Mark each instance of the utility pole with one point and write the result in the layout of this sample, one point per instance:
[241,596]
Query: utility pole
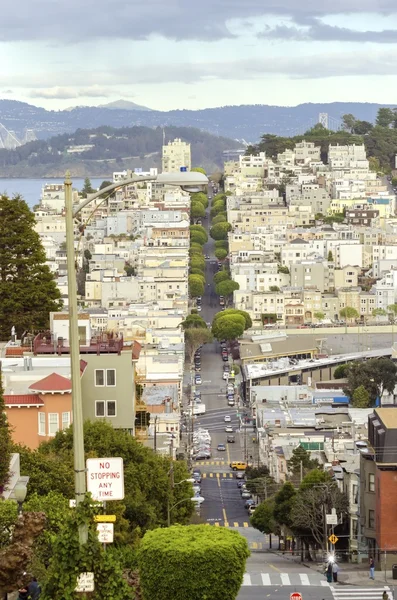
[155,434]
[245,444]
[301,471]
[171,482]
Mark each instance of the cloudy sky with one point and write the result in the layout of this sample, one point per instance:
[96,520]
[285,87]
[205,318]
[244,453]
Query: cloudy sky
[169,54]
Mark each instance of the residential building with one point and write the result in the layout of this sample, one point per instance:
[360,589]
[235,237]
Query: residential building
[176,154]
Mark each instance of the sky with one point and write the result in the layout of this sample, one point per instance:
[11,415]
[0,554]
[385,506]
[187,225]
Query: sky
[173,54]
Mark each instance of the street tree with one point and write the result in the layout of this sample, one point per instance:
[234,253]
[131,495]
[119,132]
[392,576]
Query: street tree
[361,398]
[283,503]
[196,286]
[172,561]
[200,197]
[319,315]
[199,229]
[341,371]
[221,276]
[221,244]
[197,210]
[196,271]
[197,238]
[217,208]
[230,312]
[193,322]
[87,188]
[28,291]
[263,519]
[220,253]
[229,327]
[376,375]
[194,338]
[392,313]
[379,312]
[197,262]
[221,218]
[226,288]
[220,231]
[348,313]
[5,443]
[301,463]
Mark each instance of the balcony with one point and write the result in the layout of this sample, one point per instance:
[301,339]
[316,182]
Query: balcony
[103,343]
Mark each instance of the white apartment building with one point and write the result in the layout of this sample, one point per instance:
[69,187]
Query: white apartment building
[386,290]
[307,152]
[176,154]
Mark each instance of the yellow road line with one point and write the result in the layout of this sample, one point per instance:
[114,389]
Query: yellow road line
[216,524]
[218,479]
[275,568]
[211,474]
[228,454]
[235,524]
[231,475]
[245,525]
[225,517]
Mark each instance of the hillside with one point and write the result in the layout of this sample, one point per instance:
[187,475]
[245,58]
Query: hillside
[109,150]
[237,122]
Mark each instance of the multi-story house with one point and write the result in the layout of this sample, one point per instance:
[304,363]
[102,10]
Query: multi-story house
[313,273]
[176,154]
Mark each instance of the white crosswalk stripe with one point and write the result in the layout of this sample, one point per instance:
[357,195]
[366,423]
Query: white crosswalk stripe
[355,593]
[279,579]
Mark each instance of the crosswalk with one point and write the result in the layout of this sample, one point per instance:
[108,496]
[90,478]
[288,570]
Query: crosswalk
[221,475]
[356,593]
[280,579]
[230,524]
[218,463]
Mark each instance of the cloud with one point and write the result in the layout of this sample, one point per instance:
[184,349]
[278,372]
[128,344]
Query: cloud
[68,93]
[77,21]
[317,30]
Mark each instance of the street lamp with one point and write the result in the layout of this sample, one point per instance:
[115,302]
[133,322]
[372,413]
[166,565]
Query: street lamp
[20,491]
[197,499]
[190,181]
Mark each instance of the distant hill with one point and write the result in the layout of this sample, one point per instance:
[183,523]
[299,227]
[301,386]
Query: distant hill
[108,149]
[124,105]
[247,122]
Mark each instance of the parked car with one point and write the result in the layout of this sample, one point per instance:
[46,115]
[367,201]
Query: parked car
[197,379]
[240,475]
[202,455]
[198,307]
[230,439]
[227,418]
[229,429]
[251,509]
[245,495]
[240,483]
[248,502]
[221,447]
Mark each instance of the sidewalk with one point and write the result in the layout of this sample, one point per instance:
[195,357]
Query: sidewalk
[349,573]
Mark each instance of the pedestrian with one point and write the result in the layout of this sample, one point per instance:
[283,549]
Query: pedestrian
[371,568]
[335,570]
[34,589]
[328,572]
[23,593]
[385,596]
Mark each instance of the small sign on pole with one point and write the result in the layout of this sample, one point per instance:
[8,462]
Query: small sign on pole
[85,582]
[333,539]
[105,533]
[105,518]
[105,478]
[332,519]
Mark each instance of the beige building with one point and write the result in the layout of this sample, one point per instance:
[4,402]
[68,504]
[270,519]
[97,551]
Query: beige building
[176,154]
[318,274]
[347,276]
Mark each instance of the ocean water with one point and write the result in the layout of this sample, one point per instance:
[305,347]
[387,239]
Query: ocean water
[30,189]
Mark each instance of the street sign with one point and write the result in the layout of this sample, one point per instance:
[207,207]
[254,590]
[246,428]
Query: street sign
[332,519]
[105,478]
[85,583]
[333,539]
[105,533]
[105,518]
[295,596]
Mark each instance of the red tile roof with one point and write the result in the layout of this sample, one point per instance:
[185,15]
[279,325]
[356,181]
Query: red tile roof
[52,383]
[22,399]
[15,350]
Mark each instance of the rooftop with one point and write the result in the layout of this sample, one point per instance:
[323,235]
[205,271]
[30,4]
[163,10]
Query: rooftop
[388,416]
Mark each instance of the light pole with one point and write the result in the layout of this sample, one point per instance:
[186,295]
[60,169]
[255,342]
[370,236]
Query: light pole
[170,508]
[20,491]
[188,181]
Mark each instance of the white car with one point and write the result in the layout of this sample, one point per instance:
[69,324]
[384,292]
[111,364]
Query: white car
[229,429]
[197,379]
[198,307]
[227,418]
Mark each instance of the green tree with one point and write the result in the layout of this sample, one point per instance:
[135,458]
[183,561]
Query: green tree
[200,197]
[385,117]
[341,371]
[222,244]
[330,257]
[274,288]
[283,503]
[263,518]
[301,463]
[220,253]
[87,188]
[228,328]
[348,313]
[28,291]
[379,312]
[221,276]
[231,312]
[319,315]
[199,229]
[193,322]
[220,231]
[283,269]
[197,262]
[196,286]
[376,375]
[103,185]
[361,398]
[196,271]
[194,338]
[5,443]
[197,238]
[197,210]
[198,170]
[348,122]
[221,218]
[217,208]
[172,561]
[129,270]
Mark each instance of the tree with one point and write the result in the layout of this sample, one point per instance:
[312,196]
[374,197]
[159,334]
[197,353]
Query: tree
[385,117]
[283,502]
[230,327]
[87,188]
[222,244]
[200,197]
[197,262]
[5,443]
[220,253]
[341,371]
[199,229]
[221,218]
[194,338]
[263,518]
[361,398]
[376,375]
[198,170]
[220,231]
[172,561]
[348,313]
[379,312]
[103,185]
[300,463]
[230,312]
[129,270]
[330,257]
[193,322]
[217,208]
[196,286]
[274,288]
[196,271]
[319,315]
[197,238]
[221,276]
[362,127]
[282,269]
[197,210]
[28,291]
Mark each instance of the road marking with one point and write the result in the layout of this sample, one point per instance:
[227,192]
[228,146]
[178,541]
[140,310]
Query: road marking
[211,474]
[265,579]
[325,583]
[247,579]
[235,524]
[216,524]
[275,568]
[285,580]
[304,579]
[225,517]
[219,482]
[245,525]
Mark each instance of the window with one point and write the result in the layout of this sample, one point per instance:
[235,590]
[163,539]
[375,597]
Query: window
[41,423]
[354,493]
[65,420]
[105,375]
[371,519]
[105,408]
[371,482]
[53,423]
